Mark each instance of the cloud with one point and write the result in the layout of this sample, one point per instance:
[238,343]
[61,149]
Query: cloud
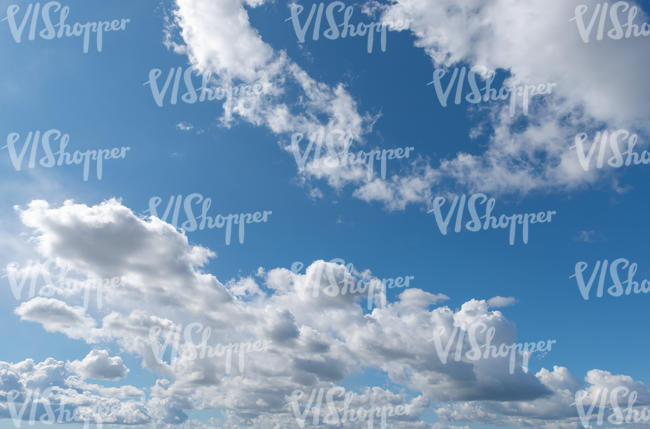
[213,50]
[523,154]
[439,425]
[600,380]
[556,411]
[308,116]
[499,35]
[283,327]
[500,301]
[316,326]
[108,240]
[184,126]
[98,364]
[400,191]
[47,392]
[57,316]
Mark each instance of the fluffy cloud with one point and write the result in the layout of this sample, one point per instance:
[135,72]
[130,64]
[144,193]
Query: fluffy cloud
[57,316]
[213,50]
[321,118]
[499,35]
[313,326]
[108,241]
[555,411]
[98,364]
[49,393]
[523,154]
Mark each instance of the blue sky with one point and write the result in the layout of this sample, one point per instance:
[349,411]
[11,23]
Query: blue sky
[243,165]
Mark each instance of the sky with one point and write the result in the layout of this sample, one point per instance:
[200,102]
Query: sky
[110,279]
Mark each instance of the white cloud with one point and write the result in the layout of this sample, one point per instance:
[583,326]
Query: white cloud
[57,316]
[522,155]
[496,35]
[500,301]
[100,365]
[108,240]
[184,126]
[214,50]
[204,30]
[503,34]
[316,337]
[555,411]
[47,392]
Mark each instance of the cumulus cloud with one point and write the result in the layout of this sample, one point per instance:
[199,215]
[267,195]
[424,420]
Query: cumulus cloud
[47,392]
[499,36]
[524,154]
[100,365]
[555,411]
[57,316]
[321,119]
[108,240]
[315,327]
